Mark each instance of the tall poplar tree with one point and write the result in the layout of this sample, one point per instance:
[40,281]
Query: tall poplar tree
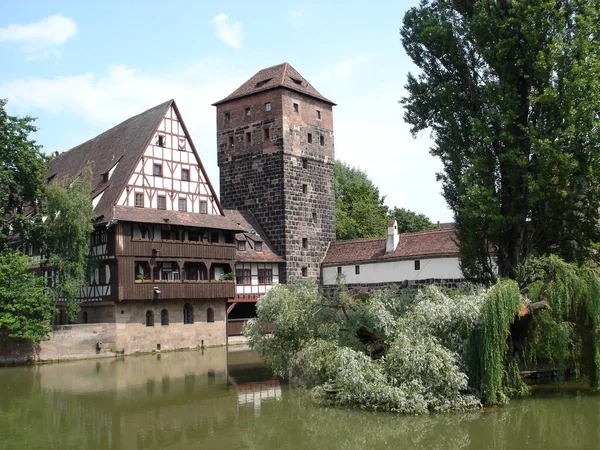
[510,91]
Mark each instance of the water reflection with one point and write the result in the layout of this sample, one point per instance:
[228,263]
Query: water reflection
[216,399]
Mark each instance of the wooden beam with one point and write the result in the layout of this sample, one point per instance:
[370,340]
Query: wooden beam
[231,307]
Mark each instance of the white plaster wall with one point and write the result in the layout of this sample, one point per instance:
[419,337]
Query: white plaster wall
[254,287]
[395,271]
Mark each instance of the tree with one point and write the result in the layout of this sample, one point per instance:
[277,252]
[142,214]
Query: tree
[25,303]
[359,210]
[510,92]
[22,169]
[410,222]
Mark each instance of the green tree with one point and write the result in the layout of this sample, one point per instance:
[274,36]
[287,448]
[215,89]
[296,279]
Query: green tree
[410,222]
[22,169]
[359,210]
[510,92]
[25,303]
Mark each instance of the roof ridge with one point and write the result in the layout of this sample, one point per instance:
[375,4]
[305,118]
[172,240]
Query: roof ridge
[285,68]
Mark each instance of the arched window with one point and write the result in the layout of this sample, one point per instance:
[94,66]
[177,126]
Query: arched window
[149,319]
[164,317]
[210,315]
[84,317]
[188,314]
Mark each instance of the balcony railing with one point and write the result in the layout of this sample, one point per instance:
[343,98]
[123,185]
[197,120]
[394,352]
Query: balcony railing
[176,289]
[176,249]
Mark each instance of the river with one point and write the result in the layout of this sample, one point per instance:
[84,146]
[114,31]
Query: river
[219,399]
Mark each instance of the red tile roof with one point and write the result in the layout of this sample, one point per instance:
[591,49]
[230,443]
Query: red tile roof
[282,75]
[430,244]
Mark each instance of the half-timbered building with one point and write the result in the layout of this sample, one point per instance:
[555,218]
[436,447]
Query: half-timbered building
[162,244]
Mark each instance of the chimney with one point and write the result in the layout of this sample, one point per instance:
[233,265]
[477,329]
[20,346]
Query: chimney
[392,237]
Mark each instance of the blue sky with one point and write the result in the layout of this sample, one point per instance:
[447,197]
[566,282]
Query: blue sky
[82,67]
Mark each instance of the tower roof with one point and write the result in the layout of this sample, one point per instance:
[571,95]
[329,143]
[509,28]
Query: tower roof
[282,75]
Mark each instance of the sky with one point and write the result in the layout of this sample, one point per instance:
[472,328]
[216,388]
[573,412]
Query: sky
[82,67]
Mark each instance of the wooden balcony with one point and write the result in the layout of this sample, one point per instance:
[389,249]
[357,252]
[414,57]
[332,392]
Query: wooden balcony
[144,290]
[146,248]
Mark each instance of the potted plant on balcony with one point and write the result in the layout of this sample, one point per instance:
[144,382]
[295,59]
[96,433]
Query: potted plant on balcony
[139,277]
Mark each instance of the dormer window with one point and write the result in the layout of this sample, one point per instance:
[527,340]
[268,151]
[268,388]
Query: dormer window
[296,80]
[263,82]
[105,177]
[241,245]
[160,140]
[258,246]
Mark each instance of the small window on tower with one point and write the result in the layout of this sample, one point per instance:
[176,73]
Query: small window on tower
[157,170]
[304,163]
[267,107]
[248,112]
[231,141]
[248,138]
[310,138]
[318,115]
[139,200]
[304,271]
[227,116]
[160,140]
[322,140]
[267,132]
[185,174]
[305,243]
[304,188]
[161,202]
[296,107]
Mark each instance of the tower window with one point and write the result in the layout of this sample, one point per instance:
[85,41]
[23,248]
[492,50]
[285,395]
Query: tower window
[248,138]
[305,243]
[296,107]
[304,189]
[227,116]
[322,140]
[157,170]
[417,265]
[247,112]
[314,217]
[161,202]
[309,138]
[231,141]
[318,115]
[357,270]
[267,132]
[267,106]
[139,200]
[160,140]
[304,163]
[304,271]
[185,174]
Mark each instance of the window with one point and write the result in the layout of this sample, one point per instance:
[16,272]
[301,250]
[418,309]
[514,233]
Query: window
[263,82]
[227,116]
[139,200]
[304,271]
[247,112]
[258,246]
[231,141]
[267,133]
[214,236]
[318,115]
[304,188]
[168,271]
[417,265]
[185,174]
[357,270]
[339,270]
[248,138]
[210,315]
[84,317]
[241,245]
[322,140]
[157,171]
[164,318]
[296,80]
[242,276]
[265,276]
[188,314]
[149,318]
[182,204]
[203,207]
[310,138]
[314,217]
[161,202]
[267,106]
[105,177]
[101,274]
[304,243]
[142,270]
[160,140]
[304,163]
[296,107]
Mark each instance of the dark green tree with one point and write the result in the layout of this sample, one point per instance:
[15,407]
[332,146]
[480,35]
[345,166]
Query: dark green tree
[410,222]
[510,92]
[359,210]
[22,169]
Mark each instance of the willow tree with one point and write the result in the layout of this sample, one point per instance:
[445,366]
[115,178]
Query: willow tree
[510,92]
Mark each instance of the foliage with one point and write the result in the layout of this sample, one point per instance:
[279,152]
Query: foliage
[22,169]
[510,92]
[410,222]
[25,305]
[359,210]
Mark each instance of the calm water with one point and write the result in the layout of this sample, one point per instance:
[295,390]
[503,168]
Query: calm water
[215,399]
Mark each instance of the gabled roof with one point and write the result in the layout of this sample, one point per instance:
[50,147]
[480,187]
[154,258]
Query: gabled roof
[252,233]
[426,244]
[123,144]
[282,75]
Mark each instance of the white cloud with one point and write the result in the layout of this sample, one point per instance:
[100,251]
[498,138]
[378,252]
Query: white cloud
[41,38]
[296,17]
[344,70]
[230,32]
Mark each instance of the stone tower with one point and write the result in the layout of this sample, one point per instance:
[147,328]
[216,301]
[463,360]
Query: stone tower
[276,157]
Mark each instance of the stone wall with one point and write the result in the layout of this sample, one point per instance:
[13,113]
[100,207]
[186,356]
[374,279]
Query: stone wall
[365,288]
